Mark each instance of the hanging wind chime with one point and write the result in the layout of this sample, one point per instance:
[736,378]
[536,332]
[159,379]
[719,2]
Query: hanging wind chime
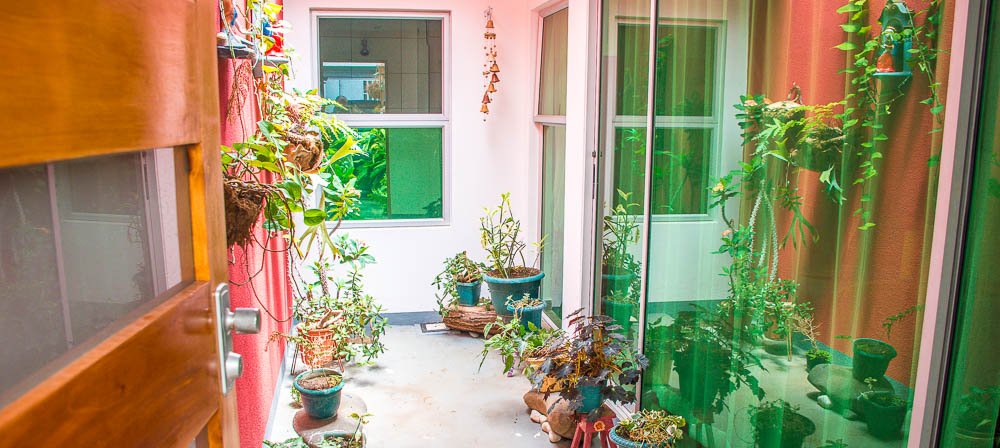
[490,67]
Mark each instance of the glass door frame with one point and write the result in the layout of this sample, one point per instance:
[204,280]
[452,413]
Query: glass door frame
[968,57]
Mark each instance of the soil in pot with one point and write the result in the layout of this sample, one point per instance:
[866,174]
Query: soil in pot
[319,390]
[871,358]
[243,203]
[884,413]
[522,281]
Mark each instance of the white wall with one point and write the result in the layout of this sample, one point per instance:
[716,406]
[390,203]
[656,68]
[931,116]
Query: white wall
[486,158]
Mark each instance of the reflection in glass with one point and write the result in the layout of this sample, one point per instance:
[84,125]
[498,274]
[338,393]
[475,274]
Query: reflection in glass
[380,65]
[82,244]
[553,206]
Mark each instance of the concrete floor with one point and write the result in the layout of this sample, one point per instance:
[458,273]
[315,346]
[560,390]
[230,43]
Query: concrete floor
[427,391]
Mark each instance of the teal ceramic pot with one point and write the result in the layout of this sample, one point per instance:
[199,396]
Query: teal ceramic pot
[621,314]
[468,293]
[531,314]
[622,442]
[591,399]
[319,404]
[503,288]
[871,358]
[885,420]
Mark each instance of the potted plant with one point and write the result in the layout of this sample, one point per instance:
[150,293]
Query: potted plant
[777,424]
[461,281]
[709,363]
[885,412]
[592,363]
[872,356]
[509,274]
[352,440]
[977,417]
[527,310]
[808,328]
[648,429]
[660,352]
[620,281]
[319,390]
[515,342]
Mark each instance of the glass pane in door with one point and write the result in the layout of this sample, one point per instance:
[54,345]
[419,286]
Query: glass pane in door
[973,392]
[83,243]
[621,160]
[553,205]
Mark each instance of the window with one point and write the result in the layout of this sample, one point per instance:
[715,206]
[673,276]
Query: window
[385,76]
[551,122]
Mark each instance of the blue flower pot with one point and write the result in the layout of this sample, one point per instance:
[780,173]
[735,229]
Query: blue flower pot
[502,288]
[468,293]
[319,404]
[531,314]
[591,398]
[622,442]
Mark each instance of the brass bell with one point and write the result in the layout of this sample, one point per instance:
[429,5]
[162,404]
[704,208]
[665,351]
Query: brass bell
[494,68]
[491,88]
[484,109]
[494,79]
[486,98]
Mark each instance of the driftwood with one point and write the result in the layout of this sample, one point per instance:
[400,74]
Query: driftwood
[470,318]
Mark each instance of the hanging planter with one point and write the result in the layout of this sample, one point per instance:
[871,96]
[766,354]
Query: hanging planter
[305,151]
[244,201]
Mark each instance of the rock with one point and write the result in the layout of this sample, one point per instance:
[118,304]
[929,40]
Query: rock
[839,386]
[825,402]
[562,420]
[537,417]
[546,427]
[473,334]
[535,401]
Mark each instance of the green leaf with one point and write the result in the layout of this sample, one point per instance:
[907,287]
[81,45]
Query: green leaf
[313,217]
[850,7]
[846,46]
[850,27]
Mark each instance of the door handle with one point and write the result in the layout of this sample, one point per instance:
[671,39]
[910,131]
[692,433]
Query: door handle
[238,321]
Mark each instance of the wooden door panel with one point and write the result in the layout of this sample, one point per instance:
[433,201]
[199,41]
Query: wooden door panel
[136,388]
[86,77]
[93,77]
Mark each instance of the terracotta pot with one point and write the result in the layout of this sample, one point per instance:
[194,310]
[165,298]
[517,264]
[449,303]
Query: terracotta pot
[321,348]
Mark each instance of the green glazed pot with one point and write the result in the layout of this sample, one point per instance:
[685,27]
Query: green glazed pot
[531,314]
[319,404]
[468,293]
[503,288]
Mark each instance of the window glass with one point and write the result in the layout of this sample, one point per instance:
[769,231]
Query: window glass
[552,79]
[400,173]
[553,207]
[380,66]
[681,169]
[83,243]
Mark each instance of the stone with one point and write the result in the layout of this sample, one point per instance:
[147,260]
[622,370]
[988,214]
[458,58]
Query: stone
[313,431]
[825,402]
[537,417]
[841,389]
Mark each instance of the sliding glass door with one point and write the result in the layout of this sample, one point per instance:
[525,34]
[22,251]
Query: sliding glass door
[973,390]
[765,211]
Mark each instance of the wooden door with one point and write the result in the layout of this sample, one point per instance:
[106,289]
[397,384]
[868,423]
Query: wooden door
[113,232]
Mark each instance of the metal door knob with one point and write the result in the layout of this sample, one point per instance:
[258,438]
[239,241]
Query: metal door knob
[234,366]
[243,320]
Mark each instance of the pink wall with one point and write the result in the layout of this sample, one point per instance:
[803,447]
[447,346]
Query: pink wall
[268,288]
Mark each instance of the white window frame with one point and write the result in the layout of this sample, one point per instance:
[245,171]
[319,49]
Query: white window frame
[410,121]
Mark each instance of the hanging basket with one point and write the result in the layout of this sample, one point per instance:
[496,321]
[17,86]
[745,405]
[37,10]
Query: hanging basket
[305,151]
[244,201]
